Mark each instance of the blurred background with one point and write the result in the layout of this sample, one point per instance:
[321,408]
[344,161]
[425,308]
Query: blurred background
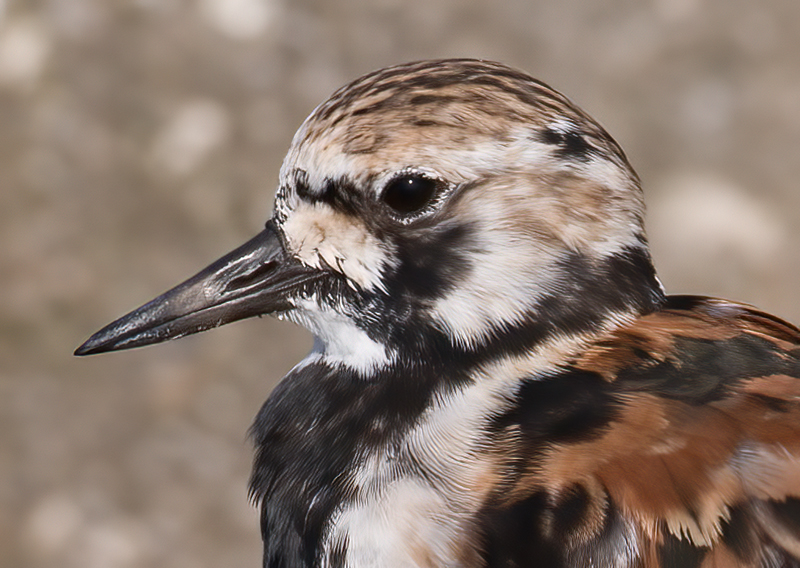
[141,139]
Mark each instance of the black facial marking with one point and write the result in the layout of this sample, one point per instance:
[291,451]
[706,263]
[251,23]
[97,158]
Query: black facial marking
[300,459]
[432,264]
[340,194]
[330,190]
[571,144]
[301,186]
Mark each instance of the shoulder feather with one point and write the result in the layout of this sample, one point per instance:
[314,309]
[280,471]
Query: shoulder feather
[690,439]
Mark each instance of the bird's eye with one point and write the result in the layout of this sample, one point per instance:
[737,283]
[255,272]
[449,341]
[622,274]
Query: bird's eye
[409,193]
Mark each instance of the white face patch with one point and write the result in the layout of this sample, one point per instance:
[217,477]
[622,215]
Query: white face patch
[339,340]
[522,231]
[498,292]
[317,235]
[508,275]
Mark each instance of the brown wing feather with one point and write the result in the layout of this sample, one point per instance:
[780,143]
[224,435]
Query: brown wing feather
[700,455]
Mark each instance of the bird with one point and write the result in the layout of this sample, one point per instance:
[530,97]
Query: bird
[498,377]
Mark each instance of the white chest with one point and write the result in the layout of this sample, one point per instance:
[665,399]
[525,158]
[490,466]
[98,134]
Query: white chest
[408,524]
[415,505]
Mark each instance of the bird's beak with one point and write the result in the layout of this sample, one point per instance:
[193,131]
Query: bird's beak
[257,278]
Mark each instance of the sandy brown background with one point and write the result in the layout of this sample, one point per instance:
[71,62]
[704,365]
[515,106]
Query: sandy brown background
[140,139]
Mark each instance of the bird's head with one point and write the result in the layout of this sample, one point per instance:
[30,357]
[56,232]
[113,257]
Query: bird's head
[452,203]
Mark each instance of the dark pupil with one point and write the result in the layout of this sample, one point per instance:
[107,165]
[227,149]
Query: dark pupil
[407,194]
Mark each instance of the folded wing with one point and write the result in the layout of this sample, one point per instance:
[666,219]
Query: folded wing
[675,441]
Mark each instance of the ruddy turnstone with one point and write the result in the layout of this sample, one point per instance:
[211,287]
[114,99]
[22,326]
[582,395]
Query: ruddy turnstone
[498,377]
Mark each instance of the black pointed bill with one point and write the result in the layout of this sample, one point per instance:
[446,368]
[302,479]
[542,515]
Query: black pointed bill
[255,279]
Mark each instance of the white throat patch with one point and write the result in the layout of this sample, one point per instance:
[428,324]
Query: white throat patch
[338,340]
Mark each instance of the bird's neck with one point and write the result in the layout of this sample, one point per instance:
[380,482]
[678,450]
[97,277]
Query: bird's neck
[334,434]
[586,296]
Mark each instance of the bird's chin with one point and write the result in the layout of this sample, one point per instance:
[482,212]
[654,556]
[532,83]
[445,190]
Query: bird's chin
[339,339]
